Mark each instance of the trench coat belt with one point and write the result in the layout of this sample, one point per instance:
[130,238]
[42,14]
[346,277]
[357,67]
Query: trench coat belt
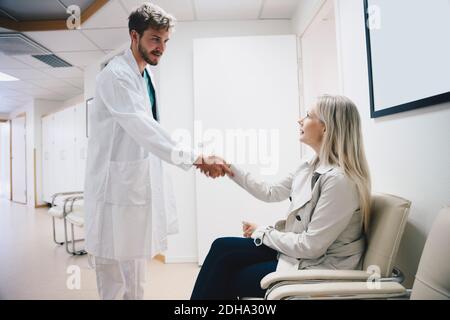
[348,249]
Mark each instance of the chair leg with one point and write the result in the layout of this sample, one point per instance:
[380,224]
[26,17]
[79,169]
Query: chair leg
[54,233]
[74,251]
[66,237]
[73,237]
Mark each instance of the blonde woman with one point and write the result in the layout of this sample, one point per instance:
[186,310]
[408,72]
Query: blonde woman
[326,220]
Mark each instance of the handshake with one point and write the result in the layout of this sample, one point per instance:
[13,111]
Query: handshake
[213,166]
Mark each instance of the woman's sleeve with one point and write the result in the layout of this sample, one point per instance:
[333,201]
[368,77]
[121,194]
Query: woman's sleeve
[268,192]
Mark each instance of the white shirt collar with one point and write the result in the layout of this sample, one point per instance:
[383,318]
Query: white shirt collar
[129,57]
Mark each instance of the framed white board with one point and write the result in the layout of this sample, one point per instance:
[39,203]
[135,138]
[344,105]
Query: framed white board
[408,51]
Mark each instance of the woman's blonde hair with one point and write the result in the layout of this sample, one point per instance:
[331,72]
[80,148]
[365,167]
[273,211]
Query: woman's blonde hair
[342,145]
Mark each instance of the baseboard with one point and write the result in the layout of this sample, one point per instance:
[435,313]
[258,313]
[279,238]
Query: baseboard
[41,206]
[160,257]
[181,260]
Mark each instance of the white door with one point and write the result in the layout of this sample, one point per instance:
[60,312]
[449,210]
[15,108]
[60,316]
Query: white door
[80,146]
[19,163]
[47,157]
[52,156]
[246,108]
[69,141]
[58,153]
[5,160]
[65,149]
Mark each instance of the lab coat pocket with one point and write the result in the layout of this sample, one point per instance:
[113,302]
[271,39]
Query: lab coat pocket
[128,183]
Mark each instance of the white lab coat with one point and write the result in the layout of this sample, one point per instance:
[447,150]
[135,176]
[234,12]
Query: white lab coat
[129,201]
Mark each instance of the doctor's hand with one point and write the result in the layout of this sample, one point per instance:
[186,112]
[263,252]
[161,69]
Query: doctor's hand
[213,166]
[248,228]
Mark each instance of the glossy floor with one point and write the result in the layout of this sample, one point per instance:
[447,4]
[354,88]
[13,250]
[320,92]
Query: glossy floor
[33,267]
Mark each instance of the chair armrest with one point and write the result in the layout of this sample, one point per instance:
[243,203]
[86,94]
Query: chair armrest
[72,201]
[338,290]
[54,196]
[75,199]
[313,275]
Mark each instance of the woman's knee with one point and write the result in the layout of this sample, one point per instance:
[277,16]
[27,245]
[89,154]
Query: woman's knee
[225,243]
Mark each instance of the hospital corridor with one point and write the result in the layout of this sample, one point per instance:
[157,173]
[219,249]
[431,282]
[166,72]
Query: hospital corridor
[33,268]
[224,150]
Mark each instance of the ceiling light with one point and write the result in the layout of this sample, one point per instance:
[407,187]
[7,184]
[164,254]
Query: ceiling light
[7,77]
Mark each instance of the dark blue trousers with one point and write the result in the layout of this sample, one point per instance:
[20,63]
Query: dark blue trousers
[234,268]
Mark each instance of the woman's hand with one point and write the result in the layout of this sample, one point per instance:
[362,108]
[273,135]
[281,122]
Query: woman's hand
[248,228]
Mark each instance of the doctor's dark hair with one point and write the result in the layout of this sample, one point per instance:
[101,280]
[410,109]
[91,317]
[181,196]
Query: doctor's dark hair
[148,16]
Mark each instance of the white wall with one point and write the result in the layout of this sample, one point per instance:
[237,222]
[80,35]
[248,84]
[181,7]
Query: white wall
[306,10]
[319,56]
[409,152]
[177,111]
[319,59]
[175,75]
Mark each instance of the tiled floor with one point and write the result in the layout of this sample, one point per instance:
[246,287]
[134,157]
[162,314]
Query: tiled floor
[33,267]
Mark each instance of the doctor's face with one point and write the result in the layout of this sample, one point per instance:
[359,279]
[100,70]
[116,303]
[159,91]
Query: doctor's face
[152,44]
[312,130]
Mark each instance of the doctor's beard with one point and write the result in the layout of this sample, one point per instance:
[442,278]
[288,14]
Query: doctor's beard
[145,55]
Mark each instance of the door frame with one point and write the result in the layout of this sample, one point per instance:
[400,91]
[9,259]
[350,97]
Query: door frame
[9,121]
[320,12]
[11,165]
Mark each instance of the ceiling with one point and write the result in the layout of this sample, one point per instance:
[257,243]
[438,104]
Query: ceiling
[25,10]
[104,31]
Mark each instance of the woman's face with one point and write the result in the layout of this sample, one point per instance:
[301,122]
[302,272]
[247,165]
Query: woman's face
[312,130]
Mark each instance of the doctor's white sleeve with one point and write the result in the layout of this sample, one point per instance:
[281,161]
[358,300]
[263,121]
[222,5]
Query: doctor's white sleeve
[268,192]
[128,107]
[337,204]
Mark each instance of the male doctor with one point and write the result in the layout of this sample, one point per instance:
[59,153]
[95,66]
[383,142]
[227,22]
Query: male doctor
[129,202]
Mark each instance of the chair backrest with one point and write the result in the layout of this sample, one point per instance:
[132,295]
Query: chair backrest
[433,274]
[388,219]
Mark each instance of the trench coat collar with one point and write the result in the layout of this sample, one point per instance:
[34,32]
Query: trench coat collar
[322,168]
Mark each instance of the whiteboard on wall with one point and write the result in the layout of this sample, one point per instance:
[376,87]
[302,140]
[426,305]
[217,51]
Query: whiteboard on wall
[246,110]
[408,54]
